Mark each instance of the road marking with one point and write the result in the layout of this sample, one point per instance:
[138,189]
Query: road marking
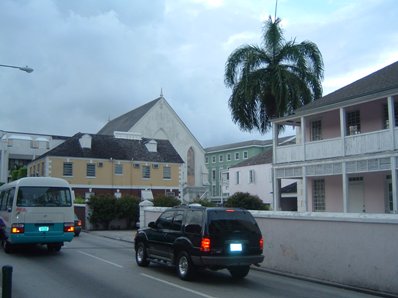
[103,260]
[177,286]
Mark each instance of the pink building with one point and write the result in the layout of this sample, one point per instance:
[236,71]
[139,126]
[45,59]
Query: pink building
[346,150]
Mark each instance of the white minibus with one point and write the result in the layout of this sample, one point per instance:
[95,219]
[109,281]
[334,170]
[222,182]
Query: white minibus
[36,210]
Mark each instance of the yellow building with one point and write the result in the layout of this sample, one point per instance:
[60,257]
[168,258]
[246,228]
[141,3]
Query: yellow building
[122,164]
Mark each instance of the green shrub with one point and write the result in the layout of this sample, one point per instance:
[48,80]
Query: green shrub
[103,210]
[246,201]
[128,208]
[79,200]
[164,201]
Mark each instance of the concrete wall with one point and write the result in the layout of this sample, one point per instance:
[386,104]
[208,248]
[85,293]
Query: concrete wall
[359,250]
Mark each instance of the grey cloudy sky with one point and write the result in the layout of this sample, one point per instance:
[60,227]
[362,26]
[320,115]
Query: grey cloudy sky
[97,59]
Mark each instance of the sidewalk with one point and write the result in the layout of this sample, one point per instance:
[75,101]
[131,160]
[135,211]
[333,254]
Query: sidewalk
[122,235]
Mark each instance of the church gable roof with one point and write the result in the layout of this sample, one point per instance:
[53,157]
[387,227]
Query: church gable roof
[127,120]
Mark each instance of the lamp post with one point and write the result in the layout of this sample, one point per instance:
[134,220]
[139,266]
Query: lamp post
[26,68]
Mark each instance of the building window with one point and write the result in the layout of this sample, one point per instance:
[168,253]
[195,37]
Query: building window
[390,200]
[229,157]
[34,144]
[385,118]
[220,158]
[237,156]
[316,130]
[118,169]
[213,159]
[146,172]
[353,120]
[213,175]
[318,194]
[207,159]
[245,155]
[68,169]
[214,190]
[90,170]
[42,169]
[166,172]
[237,177]
[251,176]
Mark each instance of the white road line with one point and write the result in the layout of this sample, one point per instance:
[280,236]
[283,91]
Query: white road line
[177,286]
[103,260]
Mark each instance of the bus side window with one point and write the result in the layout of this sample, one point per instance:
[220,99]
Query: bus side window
[11,195]
[3,200]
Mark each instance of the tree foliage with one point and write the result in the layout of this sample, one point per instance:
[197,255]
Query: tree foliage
[272,80]
[128,208]
[103,210]
[246,201]
[165,201]
[106,208]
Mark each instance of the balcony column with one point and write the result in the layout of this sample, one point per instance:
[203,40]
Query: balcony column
[345,187]
[394,184]
[391,119]
[305,190]
[342,128]
[274,141]
[276,192]
[302,123]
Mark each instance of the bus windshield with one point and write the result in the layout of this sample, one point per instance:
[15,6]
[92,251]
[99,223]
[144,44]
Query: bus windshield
[42,196]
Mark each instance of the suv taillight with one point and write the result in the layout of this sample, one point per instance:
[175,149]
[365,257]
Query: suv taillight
[205,244]
[261,242]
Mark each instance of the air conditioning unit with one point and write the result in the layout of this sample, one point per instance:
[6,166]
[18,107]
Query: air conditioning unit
[155,166]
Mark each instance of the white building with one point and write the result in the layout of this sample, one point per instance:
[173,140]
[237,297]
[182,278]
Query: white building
[17,149]
[254,176]
[156,119]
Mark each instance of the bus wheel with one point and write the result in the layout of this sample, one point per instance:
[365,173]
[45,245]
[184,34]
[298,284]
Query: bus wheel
[54,247]
[7,246]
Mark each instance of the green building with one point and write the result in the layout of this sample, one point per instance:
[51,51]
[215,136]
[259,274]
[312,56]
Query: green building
[219,159]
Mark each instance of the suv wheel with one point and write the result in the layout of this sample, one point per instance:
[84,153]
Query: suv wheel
[185,268]
[239,272]
[140,255]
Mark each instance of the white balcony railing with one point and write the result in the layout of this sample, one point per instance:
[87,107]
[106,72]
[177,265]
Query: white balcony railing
[364,143]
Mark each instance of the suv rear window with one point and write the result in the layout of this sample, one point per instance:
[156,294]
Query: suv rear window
[222,221]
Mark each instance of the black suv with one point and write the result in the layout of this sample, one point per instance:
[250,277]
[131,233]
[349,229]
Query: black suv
[198,237]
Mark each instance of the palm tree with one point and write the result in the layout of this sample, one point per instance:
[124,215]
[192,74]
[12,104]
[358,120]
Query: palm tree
[273,80]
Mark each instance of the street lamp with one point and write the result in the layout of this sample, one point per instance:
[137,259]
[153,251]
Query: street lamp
[26,68]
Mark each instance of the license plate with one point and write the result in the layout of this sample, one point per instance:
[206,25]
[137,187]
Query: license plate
[235,247]
[43,229]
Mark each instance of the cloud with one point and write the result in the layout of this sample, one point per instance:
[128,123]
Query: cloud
[97,59]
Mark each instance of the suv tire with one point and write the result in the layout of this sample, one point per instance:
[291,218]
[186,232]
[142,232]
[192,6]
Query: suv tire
[239,272]
[141,256]
[185,267]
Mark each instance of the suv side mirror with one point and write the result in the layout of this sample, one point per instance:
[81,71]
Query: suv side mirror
[194,229]
[152,225]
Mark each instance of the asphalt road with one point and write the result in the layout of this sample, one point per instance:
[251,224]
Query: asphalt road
[94,266]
